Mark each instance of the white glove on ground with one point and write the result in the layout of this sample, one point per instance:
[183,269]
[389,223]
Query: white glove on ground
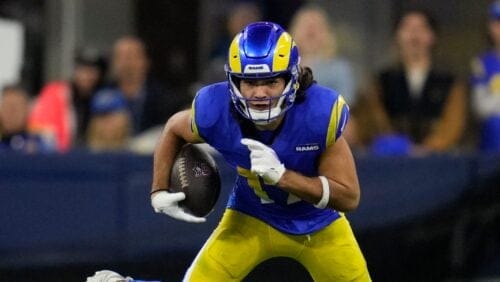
[264,161]
[168,203]
[107,276]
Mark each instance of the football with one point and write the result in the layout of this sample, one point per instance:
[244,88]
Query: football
[195,173]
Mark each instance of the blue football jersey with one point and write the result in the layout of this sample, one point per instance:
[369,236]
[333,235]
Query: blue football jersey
[308,128]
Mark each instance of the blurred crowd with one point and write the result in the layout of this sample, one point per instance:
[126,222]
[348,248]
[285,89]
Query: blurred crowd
[412,106]
[108,104]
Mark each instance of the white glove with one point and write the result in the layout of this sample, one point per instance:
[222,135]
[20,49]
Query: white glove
[168,203]
[108,276]
[264,161]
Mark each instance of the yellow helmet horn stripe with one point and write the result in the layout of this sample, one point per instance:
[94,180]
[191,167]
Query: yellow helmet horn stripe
[282,53]
[234,55]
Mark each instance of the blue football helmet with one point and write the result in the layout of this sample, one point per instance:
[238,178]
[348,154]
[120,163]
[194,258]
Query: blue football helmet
[263,50]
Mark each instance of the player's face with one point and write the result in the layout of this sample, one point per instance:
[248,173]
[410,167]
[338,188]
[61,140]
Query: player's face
[260,91]
[414,35]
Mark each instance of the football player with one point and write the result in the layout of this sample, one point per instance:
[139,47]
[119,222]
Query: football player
[282,133]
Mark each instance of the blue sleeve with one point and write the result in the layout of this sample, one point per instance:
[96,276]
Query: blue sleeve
[208,106]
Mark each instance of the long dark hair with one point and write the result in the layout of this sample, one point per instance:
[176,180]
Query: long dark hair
[306,79]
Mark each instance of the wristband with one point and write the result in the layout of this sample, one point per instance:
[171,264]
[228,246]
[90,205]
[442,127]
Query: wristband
[158,190]
[325,196]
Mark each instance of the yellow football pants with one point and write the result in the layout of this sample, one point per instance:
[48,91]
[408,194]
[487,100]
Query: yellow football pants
[241,242]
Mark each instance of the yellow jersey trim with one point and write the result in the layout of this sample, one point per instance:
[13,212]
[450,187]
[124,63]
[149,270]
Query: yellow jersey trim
[334,120]
[194,127]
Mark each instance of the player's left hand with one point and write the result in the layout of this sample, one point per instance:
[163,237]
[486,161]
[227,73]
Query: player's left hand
[264,161]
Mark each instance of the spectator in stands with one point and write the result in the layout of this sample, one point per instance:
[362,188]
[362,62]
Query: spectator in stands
[149,102]
[61,110]
[88,77]
[314,35]
[237,17]
[14,136]
[418,106]
[109,127]
[486,85]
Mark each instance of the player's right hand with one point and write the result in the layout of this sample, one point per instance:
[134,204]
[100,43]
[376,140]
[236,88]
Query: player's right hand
[168,203]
